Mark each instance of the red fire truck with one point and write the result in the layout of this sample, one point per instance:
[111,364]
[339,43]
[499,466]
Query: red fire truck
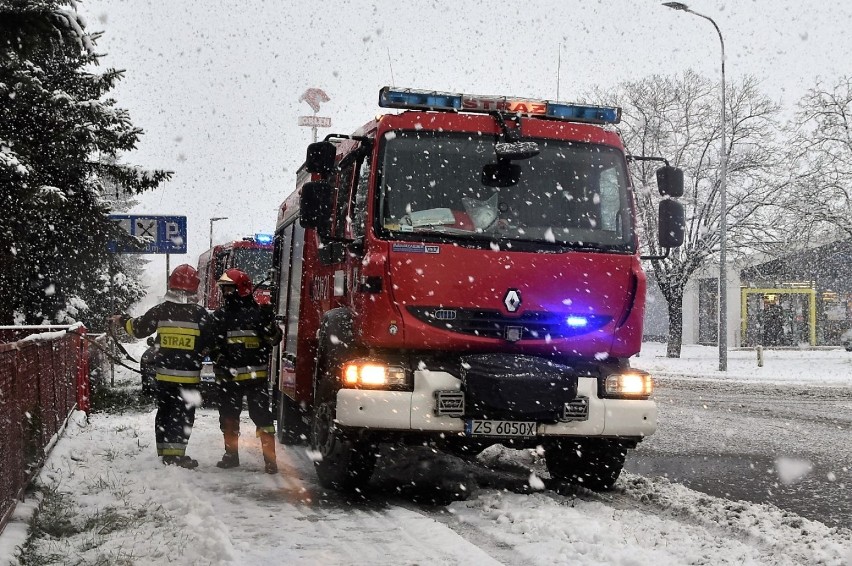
[463,273]
[252,255]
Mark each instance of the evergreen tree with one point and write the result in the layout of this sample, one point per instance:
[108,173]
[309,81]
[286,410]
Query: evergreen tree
[60,139]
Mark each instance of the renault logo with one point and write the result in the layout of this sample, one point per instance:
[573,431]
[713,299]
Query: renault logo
[512,300]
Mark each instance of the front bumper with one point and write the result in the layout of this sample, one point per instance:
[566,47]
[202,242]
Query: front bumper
[414,411]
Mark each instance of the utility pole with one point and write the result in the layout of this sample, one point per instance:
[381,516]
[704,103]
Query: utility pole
[723,204]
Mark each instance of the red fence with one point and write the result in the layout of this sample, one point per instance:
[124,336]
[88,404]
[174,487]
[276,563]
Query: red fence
[44,375]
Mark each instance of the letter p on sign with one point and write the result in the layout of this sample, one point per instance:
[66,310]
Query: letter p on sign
[173,233]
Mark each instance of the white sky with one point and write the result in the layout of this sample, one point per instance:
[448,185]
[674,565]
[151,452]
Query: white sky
[215,85]
[243,516]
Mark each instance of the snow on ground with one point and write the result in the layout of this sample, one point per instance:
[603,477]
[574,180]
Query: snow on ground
[126,508]
[832,366]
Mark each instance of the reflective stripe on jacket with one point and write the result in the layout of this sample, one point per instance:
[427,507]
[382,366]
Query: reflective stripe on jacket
[178,376]
[250,372]
[248,338]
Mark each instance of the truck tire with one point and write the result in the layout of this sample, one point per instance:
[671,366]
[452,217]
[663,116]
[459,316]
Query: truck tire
[594,463]
[340,463]
[291,428]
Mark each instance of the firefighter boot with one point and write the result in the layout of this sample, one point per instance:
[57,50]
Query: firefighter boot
[231,458]
[267,445]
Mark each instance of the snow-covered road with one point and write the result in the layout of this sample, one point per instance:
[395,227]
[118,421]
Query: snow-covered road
[129,509]
[116,504]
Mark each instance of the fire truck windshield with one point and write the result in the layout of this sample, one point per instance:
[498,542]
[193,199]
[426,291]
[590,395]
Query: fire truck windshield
[571,193]
[255,262]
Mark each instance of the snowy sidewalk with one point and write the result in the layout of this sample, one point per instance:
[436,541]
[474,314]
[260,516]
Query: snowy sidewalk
[814,367]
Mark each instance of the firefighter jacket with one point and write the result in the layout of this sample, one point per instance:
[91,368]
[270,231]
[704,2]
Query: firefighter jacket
[183,334]
[244,335]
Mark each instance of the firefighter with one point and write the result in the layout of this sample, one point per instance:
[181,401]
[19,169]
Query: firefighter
[183,334]
[244,335]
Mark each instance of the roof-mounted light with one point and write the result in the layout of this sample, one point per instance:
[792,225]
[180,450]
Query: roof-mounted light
[419,99]
[431,100]
[263,238]
[584,113]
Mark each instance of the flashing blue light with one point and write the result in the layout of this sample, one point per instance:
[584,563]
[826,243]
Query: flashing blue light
[263,238]
[577,321]
[423,99]
[583,113]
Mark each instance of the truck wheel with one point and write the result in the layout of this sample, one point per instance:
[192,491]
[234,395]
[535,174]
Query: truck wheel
[341,463]
[290,427]
[594,463]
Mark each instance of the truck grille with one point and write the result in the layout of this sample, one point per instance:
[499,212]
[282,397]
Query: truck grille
[531,325]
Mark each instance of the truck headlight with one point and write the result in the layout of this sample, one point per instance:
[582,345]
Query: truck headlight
[633,384]
[373,374]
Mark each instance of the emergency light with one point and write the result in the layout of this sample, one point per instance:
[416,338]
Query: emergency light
[413,99]
[263,238]
[420,99]
[577,321]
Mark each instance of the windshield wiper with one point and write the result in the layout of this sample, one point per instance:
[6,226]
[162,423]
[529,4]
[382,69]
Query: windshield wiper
[442,229]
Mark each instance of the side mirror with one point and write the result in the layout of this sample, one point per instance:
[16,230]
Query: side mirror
[320,158]
[672,224]
[316,203]
[670,181]
[501,174]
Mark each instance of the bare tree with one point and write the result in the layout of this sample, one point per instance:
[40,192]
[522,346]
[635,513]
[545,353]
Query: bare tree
[678,118]
[820,158]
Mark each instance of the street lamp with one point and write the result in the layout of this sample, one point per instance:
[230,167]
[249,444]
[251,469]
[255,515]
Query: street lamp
[723,222]
[212,220]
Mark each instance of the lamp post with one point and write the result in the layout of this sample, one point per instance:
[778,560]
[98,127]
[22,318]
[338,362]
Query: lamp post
[212,220]
[723,221]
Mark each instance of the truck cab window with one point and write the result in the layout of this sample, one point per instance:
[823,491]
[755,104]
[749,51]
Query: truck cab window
[221,265]
[341,208]
[358,218]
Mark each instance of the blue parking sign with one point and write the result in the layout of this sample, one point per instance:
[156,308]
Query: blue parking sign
[150,234]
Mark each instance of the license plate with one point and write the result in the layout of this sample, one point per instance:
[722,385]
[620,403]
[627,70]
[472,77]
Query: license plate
[481,427]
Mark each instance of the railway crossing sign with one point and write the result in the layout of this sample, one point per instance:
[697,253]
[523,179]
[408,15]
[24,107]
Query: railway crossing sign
[150,234]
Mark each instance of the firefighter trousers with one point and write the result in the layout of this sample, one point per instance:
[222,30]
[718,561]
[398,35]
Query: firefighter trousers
[175,417]
[256,392]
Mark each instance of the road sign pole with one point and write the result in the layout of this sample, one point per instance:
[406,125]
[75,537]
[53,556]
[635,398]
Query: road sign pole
[168,271]
[112,312]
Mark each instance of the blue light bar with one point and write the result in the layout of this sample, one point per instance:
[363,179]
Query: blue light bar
[419,99]
[577,321]
[584,113]
[430,100]
[263,238]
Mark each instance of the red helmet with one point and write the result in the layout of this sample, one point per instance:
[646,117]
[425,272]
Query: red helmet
[239,279]
[184,278]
